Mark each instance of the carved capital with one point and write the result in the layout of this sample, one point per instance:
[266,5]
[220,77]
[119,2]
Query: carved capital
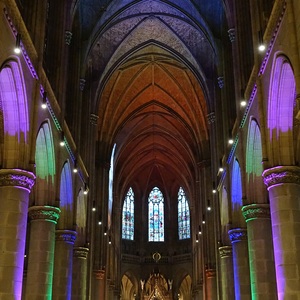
[81,252]
[45,213]
[237,235]
[225,251]
[231,34]
[211,118]
[68,37]
[81,84]
[99,274]
[210,273]
[281,174]
[18,178]
[220,82]
[256,211]
[67,236]
[94,119]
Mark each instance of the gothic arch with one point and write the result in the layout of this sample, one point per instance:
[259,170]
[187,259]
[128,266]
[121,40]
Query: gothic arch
[236,194]
[14,116]
[81,217]
[66,197]
[254,163]
[280,112]
[45,166]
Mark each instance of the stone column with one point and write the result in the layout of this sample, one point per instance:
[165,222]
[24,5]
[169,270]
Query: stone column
[211,284]
[260,245]
[43,220]
[63,263]
[79,273]
[99,284]
[226,270]
[284,193]
[238,238]
[15,186]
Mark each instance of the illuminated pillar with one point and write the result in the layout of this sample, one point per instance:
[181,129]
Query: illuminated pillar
[241,271]
[226,269]
[261,258]
[284,193]
[63,262]
[211,284]
[15,186]
[43,220]
[79,273]
[99,284]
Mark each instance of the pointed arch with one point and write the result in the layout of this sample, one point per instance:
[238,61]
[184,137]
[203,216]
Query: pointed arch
[156,216]
[183,215]
[45,165]
[128,216]
[236,193]
[280,112]
[254,162]
[81,217]
[15,120]
[66,197]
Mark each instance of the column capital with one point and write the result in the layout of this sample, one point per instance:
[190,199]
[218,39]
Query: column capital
[231,34]
[99,274]
[281,174]
[81,252]
[256,211]
[45,213]
[225,251]
[210,273]
[68,236]
[237,235]
[17,177]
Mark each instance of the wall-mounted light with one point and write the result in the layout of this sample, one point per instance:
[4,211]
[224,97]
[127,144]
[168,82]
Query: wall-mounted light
[208,205]
[105,230]
[75,169]
[86,189]
[17,49]
[261,45]
[200,230]
[203,219]
[62,139]
[44,100]
[230,139]
[94,206]
[214,188]
[197,238]
[221,169]
[99,222]
[109,240]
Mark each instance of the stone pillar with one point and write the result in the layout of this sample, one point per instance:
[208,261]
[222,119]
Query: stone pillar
[238,238]
[260,245]
[63,263]
[226,270]
[43,220]
[79,273]
[211,284]
[15,186]
[284,193]
[99,284]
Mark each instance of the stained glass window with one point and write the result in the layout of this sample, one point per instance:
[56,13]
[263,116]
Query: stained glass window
[128,216]
[183,216]
[156,215]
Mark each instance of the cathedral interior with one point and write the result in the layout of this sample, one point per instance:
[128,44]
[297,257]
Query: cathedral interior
[149,149]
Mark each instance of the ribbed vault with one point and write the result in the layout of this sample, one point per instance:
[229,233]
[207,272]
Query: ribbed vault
[154,109]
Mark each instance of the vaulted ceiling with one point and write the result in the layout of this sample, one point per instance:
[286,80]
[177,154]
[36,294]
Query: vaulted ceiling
[154,67]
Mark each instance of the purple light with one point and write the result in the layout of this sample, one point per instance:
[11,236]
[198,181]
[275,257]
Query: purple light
[14,103]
